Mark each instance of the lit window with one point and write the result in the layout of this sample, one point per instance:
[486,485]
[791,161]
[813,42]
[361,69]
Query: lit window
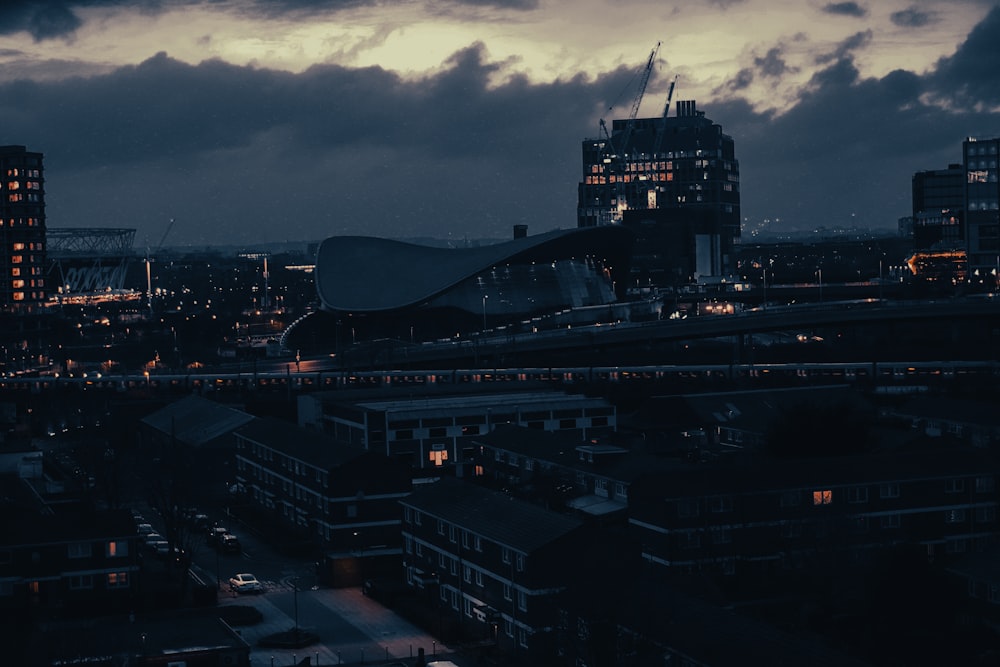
[18,246]
[824,497]
[118,580]
[18,296]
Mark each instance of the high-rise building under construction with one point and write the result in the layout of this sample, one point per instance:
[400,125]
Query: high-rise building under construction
[675,181]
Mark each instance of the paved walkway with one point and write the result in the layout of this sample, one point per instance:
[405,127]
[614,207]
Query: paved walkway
[353,629]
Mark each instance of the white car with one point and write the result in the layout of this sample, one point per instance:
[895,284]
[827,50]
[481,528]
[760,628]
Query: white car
[245,583]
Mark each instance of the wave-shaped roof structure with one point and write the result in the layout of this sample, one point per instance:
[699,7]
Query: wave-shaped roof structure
[364,274]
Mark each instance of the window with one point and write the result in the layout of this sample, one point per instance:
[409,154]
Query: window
[506,554]
[477,543]
[440,527]
[117,549]
[722,535]
[479,578]
[468,606]
[118,580]
[508,627]
[442,561]
[522,637]
[444,594]
[720,504]
[465,539]
[954,516]
[408,544]
[407,515]
[890,490]
[81,582]
[522,601]
[857,494]
[791,499]
[954,486]
[890,521]
[417,518]
[985,485]
[80,550]
[451,533]
[824,497]
[986,514]
[520,563]
[419,549]
[467,574]
[687,508]
[506,592]
[454,599]
[454,566]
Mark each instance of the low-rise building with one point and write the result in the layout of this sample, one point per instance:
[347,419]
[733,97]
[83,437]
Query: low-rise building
[79,560]
[340,499]
[491,561]
[744,515]
[432,430]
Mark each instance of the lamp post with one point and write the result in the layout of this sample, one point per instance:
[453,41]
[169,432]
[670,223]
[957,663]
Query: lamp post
[485,296]
[819,273]
[764,303]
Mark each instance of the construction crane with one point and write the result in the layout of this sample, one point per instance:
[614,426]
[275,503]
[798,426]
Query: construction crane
[630,122]
[662,129]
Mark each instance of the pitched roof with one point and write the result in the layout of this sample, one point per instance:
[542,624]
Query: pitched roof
[494,515]
[196,421]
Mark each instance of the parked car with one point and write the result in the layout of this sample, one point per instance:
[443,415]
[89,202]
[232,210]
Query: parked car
[215,534]
[229,543]
[245,583]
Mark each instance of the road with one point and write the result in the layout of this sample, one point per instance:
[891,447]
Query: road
[353,628]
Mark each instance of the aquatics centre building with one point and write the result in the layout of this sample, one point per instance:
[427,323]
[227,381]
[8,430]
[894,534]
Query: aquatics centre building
[372,288]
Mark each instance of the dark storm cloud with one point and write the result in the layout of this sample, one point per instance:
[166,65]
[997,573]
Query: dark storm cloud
[912,17]
[845,9]
[971,76]
[42,20]
[244,155]
[772,64]
[844,49]
[846,152]
[240,153]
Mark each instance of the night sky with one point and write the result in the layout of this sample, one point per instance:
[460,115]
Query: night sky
[290,120]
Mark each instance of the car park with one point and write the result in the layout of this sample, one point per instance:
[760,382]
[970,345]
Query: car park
[245,583]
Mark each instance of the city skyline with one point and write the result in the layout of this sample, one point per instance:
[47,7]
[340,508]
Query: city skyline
[296,121]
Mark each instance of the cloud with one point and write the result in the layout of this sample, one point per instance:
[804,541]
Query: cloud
[912,17]
[247,154]
[971,76]
[42,20]
[846,47]
[773,65]
[845,9]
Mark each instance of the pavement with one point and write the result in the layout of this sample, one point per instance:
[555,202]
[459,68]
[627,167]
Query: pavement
[353,629]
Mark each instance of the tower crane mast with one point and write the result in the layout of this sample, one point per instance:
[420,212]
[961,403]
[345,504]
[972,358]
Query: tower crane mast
[643,82]
[662,129]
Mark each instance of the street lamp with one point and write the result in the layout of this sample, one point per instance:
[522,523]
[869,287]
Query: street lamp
[485,296]
[764,304]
